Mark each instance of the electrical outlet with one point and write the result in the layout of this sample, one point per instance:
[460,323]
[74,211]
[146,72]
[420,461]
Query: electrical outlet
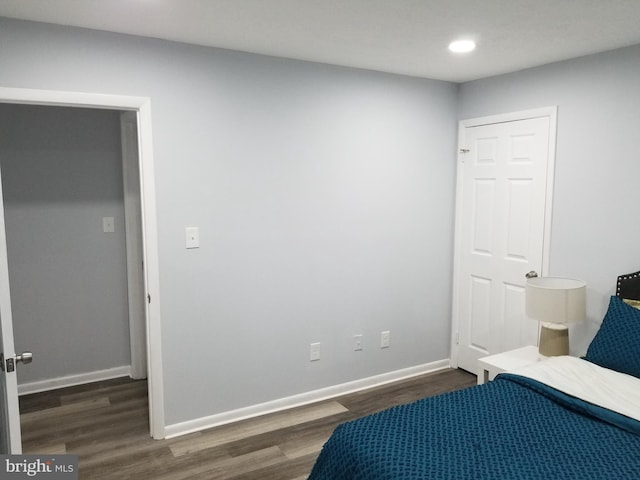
[357,342]
[314,352]
[385,339]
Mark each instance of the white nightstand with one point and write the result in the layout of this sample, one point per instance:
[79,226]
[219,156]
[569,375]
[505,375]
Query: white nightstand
[489,367]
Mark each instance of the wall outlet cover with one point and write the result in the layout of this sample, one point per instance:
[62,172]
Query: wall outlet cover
[385,339]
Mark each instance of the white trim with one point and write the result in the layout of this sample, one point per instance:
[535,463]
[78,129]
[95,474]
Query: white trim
[203,423]
[551,170]
[152,275]
[72,380]
[552,113]
[457,243]
[133,238]
[70,99]
[142,105]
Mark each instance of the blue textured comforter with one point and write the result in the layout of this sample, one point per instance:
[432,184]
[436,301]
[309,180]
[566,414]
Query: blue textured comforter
[511,428]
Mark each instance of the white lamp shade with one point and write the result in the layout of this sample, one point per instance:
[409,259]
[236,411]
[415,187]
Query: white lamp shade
[556,299]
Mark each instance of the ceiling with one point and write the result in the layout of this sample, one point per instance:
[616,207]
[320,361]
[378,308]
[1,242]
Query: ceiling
[408,37]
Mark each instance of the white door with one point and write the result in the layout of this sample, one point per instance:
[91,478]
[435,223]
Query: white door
[503,181]
[10,440]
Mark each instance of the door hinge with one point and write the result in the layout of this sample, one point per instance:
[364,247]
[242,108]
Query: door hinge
[148,297]
[457,338]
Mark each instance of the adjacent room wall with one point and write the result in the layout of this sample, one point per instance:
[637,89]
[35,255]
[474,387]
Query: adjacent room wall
[594,232]
[324,198]
[61,173]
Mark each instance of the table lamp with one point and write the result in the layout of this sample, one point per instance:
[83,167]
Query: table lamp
[555,301]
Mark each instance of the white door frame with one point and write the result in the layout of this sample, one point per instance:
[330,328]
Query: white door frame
[552,113]
[133,237]
[142,106]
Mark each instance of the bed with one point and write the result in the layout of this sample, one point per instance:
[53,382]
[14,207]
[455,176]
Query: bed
[560,418]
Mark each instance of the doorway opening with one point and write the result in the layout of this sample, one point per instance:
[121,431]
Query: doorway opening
[140,242]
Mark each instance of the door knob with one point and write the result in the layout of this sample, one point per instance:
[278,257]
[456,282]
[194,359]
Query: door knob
[531,274]
[9,364]
[26,357]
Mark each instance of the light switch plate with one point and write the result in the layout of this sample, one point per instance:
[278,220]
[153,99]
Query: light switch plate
[108,225]
[192,237]
[314,352]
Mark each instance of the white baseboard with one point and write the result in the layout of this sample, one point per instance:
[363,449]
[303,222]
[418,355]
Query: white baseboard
[71,380]
[203,423]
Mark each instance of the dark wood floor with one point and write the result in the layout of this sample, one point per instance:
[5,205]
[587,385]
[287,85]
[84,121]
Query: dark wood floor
[106,424]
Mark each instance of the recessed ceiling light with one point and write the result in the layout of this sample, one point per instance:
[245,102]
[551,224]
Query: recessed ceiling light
[462,46]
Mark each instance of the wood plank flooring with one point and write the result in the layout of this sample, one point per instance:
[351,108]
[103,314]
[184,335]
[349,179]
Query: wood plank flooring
[106,424]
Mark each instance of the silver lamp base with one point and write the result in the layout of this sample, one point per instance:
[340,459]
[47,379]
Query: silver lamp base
[554,340]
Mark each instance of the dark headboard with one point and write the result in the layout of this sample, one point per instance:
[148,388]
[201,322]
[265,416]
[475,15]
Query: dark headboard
[629,286]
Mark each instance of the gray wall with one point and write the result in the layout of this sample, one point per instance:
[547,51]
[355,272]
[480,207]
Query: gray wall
[594,229]
[61,173]
[324,197]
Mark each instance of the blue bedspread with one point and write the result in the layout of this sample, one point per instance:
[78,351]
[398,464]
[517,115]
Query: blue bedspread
[511,428]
